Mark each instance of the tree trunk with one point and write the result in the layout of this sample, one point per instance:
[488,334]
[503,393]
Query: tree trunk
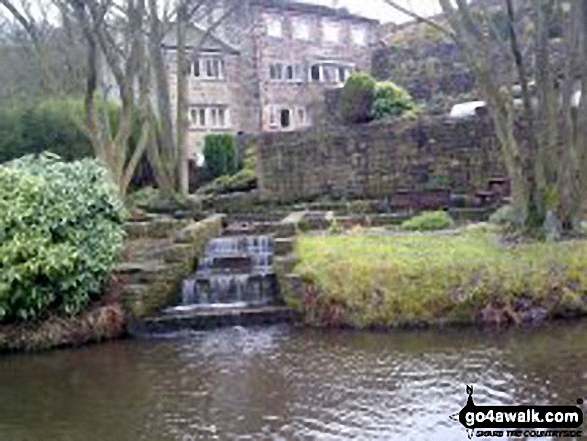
[182,104]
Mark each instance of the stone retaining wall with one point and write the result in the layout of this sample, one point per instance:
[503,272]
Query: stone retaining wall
[156,264]
[374,160]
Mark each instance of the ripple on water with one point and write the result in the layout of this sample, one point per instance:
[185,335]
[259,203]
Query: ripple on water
[282,384]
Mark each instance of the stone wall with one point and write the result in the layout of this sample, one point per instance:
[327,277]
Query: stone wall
[373,160]
[159,255]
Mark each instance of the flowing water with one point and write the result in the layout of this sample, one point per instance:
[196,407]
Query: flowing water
[235,270]
[281,383]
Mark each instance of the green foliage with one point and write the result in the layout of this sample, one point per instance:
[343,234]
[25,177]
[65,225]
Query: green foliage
[506,217]
[429,221]
[144,197]
[60,235]
[244,180]
[415,279]
[220,155]
[391,100]
[53,125]
[357,98]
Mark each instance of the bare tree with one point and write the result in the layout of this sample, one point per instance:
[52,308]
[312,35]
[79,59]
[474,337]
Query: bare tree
[171,154]
[547,167]
[60,69]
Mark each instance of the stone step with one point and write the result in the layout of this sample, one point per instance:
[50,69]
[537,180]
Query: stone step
[285,264]
[160,228]
[200,319]
[284,246]
[276,229]
[148,271]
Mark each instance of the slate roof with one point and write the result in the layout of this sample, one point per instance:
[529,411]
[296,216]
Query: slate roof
[308,8]
[194,35]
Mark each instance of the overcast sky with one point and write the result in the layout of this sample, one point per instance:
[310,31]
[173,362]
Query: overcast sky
[379,10]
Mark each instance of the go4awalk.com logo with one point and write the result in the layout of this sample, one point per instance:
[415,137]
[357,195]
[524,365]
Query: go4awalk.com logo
[520,421]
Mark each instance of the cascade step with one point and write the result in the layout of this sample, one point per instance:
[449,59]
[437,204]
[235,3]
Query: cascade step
[284,246]
[285,264]
[200,319]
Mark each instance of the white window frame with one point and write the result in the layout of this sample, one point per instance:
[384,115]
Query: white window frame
[209,117]
[331,31]
[216,63]
[359,35]
[301,29]
[274,26]
[278,72]
[274,117]
[331,67]
[304,120]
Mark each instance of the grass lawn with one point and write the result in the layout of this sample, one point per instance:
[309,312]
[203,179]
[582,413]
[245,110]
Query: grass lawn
[367,280]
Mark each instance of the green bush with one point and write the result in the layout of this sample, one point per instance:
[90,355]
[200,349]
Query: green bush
[391,100]
[53,125]
[505,217]
[244,180]
[357,98]
[220,155]
[429,221]
[61,233]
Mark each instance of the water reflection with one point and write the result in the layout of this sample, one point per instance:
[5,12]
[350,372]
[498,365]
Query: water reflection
[281,383]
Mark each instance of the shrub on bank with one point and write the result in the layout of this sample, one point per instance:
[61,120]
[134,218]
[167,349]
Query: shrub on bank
[357,98]
[429,221]
[364,281]
[391,100]
[61,233]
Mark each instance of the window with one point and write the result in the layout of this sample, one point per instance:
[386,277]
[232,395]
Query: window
[342,74]
[209,68]
[299,72]
[289,73]
[209,117]
[301,29]
[315,73]
[329,72]
[280,117]
[221,117]
[331,31]
[278,71]
[213,117]
[359,35]
[301,116]
[285,118]
[274,27]
[283,72]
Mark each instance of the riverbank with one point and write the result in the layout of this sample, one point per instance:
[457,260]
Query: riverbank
[97,325]
[467,276]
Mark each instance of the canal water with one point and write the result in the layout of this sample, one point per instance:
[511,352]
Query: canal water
[282,383]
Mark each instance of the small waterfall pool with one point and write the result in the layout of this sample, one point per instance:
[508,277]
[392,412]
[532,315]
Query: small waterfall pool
[235,272]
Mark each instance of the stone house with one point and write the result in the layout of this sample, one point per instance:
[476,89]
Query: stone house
[267,65]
